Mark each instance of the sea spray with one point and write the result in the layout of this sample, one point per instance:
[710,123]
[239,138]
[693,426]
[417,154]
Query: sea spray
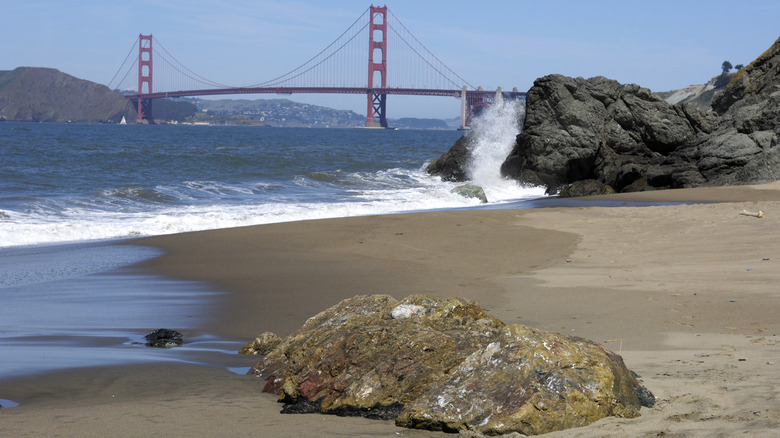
[494,133]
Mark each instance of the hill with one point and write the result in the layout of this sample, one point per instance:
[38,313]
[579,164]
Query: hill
[286,113]
[276,112]
[699,96]
[38,94]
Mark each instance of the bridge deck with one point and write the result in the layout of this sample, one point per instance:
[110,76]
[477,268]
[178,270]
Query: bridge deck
[325,90]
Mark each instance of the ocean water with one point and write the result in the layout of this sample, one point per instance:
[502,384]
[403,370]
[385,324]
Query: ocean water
[84,182]
[70,297]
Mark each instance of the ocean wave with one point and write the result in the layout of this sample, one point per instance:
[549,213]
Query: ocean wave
[138,194]
[191,185]
[90,223]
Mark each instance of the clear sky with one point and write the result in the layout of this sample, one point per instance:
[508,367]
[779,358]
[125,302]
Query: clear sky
[661,45]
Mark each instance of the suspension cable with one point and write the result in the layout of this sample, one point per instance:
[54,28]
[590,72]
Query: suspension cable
[317,60]
[132,47]
[202,79]
[271,82]
[426,49]
[279,78]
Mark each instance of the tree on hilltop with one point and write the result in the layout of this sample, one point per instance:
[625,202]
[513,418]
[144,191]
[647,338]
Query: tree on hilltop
[726,66]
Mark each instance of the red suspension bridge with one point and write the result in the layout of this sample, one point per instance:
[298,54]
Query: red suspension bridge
[340,68]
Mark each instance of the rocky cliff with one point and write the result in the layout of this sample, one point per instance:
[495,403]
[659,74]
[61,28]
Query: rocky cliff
[578,129]
[629,139]
[48,95]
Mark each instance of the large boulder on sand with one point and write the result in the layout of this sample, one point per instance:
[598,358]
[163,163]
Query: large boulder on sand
[445,364]
[531,382]
[372,355]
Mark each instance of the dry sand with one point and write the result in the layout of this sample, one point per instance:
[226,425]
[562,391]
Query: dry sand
[688,294]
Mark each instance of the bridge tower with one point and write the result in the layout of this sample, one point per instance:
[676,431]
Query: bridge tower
[144,76]
[377,64]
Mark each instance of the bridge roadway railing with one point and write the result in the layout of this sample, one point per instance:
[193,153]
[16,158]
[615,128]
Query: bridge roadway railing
[323,90]
[474,98]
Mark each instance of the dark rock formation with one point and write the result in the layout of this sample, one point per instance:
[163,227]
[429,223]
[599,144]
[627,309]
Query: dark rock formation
[48,95]
[163,338]
[754,82]
[445,365]
[625,137]
[742,147]
[578,129]
[585,187]
[452,165]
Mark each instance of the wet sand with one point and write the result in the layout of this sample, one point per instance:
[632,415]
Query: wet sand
[687,294]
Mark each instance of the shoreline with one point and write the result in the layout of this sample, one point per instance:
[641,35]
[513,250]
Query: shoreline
[685,293]
[86,304]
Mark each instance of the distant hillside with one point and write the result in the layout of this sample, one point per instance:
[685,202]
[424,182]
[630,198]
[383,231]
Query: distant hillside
[279,112]
[38,94]
[699,96]
[286,113]
[47,95]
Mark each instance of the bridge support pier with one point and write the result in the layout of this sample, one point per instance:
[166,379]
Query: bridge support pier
[377,105]
[144,107]
[463,109]
[377,65]
[144,76]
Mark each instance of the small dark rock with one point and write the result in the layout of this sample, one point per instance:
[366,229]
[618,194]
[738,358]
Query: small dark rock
[646,398]
[471,191]
[302,406]
[587,187]
[163,338]
[452,165]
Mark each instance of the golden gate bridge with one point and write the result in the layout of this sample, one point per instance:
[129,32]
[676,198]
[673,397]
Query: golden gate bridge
[340,68]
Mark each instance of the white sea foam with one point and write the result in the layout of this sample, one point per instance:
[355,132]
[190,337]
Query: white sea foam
[78,224]
[494,133]
[90,224]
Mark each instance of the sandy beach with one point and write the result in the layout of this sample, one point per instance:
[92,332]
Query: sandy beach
[688,294]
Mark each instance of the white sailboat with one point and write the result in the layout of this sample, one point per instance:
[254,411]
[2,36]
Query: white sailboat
[123,121]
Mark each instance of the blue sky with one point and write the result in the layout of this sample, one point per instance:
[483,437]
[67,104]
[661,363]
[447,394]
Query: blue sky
[660,45]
